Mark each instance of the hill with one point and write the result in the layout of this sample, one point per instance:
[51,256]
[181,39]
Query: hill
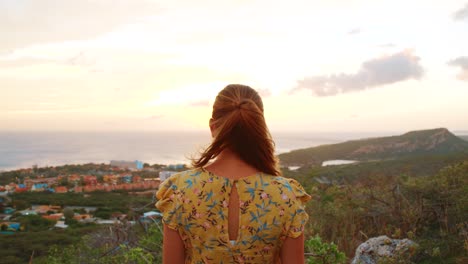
[437,141]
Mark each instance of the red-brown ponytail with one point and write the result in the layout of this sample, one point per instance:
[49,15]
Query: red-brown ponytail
[241,127]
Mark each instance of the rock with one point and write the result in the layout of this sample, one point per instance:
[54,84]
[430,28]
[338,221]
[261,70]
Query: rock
[383,248]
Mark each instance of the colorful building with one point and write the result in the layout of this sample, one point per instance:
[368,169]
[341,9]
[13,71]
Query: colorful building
[61,189]
[131,165]
[90,180]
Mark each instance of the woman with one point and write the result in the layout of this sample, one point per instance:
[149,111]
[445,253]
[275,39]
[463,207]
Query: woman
[233,207]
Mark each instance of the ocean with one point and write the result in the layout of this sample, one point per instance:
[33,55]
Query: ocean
[25,149]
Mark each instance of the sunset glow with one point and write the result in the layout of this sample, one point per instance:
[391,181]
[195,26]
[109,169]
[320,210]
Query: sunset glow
[157,65]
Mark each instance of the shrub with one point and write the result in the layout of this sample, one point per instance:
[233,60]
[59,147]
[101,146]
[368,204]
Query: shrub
[323,253]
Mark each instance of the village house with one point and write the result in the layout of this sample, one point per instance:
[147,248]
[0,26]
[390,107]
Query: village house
[10,226]
[28,212]
[78,189]
[21,188]
[127,178]
[61,189]
[136,179]
[53,217]
[39,187]
[8,210]
[40,182]
[74,178]
[44,209]
[111,178]
[61,224]
[82,217]
[90,180]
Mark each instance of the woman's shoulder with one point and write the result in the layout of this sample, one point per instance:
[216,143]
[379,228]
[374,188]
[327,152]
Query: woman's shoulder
[284,181]
[291,186]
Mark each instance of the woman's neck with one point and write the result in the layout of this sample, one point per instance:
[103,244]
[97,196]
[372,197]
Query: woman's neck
[229,165]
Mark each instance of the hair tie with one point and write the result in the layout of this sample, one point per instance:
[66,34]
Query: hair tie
[242,102]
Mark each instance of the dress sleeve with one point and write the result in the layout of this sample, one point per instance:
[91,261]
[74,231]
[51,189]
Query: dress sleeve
[167,203]
[300,216]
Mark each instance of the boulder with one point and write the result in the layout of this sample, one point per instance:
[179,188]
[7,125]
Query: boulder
[383,249]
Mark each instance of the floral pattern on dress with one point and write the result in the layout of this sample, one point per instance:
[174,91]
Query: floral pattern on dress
[195,203]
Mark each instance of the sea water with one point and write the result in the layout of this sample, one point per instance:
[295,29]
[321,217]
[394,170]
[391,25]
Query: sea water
[25,149]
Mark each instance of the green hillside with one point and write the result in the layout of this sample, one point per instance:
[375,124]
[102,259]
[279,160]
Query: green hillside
[438,141]
[422,198]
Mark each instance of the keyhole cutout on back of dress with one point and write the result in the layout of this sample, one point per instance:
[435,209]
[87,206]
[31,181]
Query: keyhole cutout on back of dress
[233,213]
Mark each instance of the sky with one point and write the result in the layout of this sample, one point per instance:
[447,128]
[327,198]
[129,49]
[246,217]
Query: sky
[146,65]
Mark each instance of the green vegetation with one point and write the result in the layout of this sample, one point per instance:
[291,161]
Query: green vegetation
[410,186]
[36,242]
[416,166]
[430,209]
[34,223]
[38,239]
[323,253]
[108,201]
[421,198]
[116,244]
[144,246]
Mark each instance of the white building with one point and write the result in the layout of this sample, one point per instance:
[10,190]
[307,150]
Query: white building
[132,165]
[163,175]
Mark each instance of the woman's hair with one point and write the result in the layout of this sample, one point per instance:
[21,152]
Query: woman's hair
[240,127]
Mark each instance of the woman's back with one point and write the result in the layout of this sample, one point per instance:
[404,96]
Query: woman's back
[244,216]
[196,204]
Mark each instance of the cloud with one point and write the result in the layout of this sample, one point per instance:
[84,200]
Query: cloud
[81,59]
[387,45]
[202,103]
[155,117]
[264,92]
[373,73]
[42,107]
[25,23]
[461,14]
[354,31]
[461,62]
[25,61]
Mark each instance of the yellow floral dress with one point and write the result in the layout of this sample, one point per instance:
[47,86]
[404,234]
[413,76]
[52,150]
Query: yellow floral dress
[195,203]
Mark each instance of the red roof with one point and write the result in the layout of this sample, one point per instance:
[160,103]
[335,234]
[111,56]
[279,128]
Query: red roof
[61,189]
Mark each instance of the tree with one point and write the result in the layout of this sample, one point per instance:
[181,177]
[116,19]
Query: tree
[68,214]
[63,181]
[20,204]
[34,223]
